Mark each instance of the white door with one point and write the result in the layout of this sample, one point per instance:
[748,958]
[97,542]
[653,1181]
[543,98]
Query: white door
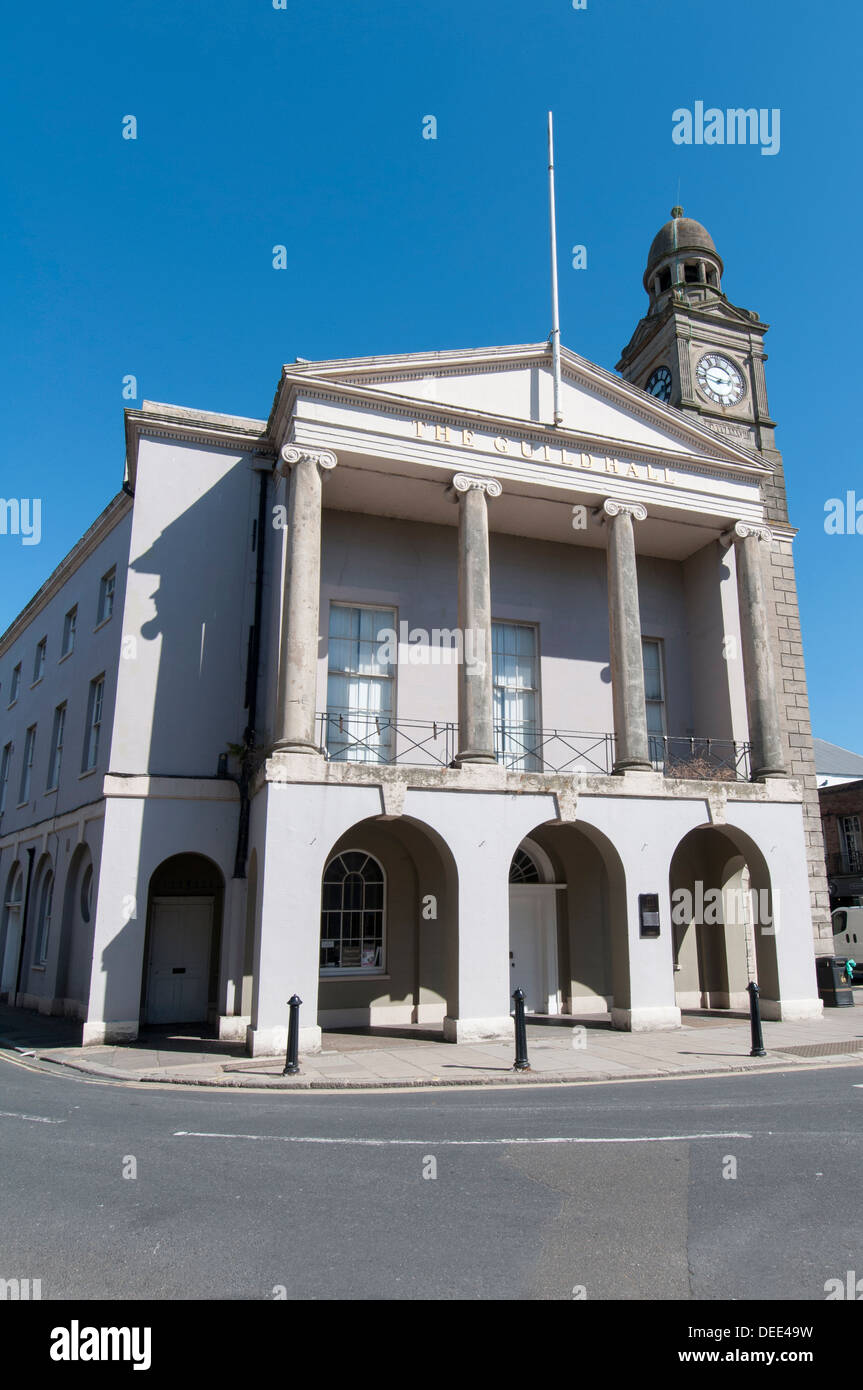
[533,946]
[178,978]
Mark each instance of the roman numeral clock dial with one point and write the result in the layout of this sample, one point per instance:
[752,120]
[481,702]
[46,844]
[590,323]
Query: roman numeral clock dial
[659,384]
[719,380]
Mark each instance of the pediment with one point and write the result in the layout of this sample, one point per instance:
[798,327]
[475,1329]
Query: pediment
[513,387]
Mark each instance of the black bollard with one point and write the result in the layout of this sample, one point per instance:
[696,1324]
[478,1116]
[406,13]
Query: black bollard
[292,1065]
[755,1021]
[521,1062]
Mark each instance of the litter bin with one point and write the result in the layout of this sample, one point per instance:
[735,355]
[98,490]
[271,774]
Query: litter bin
[833,988]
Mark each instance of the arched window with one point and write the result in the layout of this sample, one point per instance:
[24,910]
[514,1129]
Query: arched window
[86,897]
[43,919]
[352,914]
[522,869]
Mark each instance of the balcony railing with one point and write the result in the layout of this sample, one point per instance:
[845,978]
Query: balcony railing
[369,738]
[717,759]
[848,861]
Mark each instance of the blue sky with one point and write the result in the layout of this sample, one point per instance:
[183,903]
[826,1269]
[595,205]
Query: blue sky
[303,126]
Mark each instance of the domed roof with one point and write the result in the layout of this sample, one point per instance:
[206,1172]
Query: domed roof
[680,234]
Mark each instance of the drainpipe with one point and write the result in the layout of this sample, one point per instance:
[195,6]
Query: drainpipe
[25,912]
[249,735]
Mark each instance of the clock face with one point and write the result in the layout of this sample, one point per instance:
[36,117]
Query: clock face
[719,380]
[659,384]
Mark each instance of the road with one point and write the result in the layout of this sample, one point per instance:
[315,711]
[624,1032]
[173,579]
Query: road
[618,1191]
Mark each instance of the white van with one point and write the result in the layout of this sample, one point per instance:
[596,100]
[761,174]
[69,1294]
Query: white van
[848,937]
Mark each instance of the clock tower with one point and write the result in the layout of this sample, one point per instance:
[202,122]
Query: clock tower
[698,352]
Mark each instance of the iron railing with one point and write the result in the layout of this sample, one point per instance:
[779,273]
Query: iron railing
[369,738]
[717,759]
[845,862]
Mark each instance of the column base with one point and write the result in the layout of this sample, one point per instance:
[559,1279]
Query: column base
[472,1030]
[764,774]
[790,1010]
[273,1042]
[233,1027]
[95,1033]
[632,765]
[295,746]
[654,1020]
[471,756]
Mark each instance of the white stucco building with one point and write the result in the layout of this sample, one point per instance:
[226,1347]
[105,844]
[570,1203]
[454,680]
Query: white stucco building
[240,759]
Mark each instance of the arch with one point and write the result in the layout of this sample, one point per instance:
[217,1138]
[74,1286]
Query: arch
[583,920]
[10,929]
[77,924]
[183,941]
[723,919]
[42,940]
[531,864]
[411,894]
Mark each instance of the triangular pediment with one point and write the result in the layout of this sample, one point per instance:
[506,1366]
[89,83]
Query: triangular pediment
[514,386]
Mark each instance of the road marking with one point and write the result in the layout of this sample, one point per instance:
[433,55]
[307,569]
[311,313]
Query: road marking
[37,1119]
[461,1143]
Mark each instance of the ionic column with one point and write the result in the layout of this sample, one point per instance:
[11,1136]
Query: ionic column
[624,621]
[475,691]
[762,703]
[298,662]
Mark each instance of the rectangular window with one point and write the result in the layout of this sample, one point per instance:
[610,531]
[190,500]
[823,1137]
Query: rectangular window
[5,763]
[852,846]
[654,695]
[16,684]
[94,723]
[106,596]
[516,696]
[360,685]
[27,769]
[56,747]
[39,663]
[70,623]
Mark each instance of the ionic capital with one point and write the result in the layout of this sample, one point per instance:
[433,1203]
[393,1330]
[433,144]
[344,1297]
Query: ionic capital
[743,530]
[613,507]
[291,455]
[465,482]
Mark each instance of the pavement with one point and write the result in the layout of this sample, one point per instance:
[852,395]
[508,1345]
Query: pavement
[560,1050]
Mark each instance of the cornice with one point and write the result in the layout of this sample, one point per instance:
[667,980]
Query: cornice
[158,421]
[104,524]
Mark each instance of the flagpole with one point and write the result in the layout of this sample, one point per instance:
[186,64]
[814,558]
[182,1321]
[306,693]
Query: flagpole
[555,310]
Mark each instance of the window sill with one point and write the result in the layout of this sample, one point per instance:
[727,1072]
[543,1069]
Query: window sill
[88,772]
[354,975]
[39,681]
[40,968]
[65,656]
[102,622]
[12,703]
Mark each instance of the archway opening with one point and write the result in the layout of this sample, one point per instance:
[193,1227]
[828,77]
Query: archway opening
[184,931]
[723,920]
[389,908]
[568,947]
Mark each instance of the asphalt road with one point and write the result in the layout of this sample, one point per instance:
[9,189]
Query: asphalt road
[243,1196]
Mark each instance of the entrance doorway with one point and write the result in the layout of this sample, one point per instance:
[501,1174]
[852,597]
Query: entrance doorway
[533,929]
[178,975]
[533,946]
